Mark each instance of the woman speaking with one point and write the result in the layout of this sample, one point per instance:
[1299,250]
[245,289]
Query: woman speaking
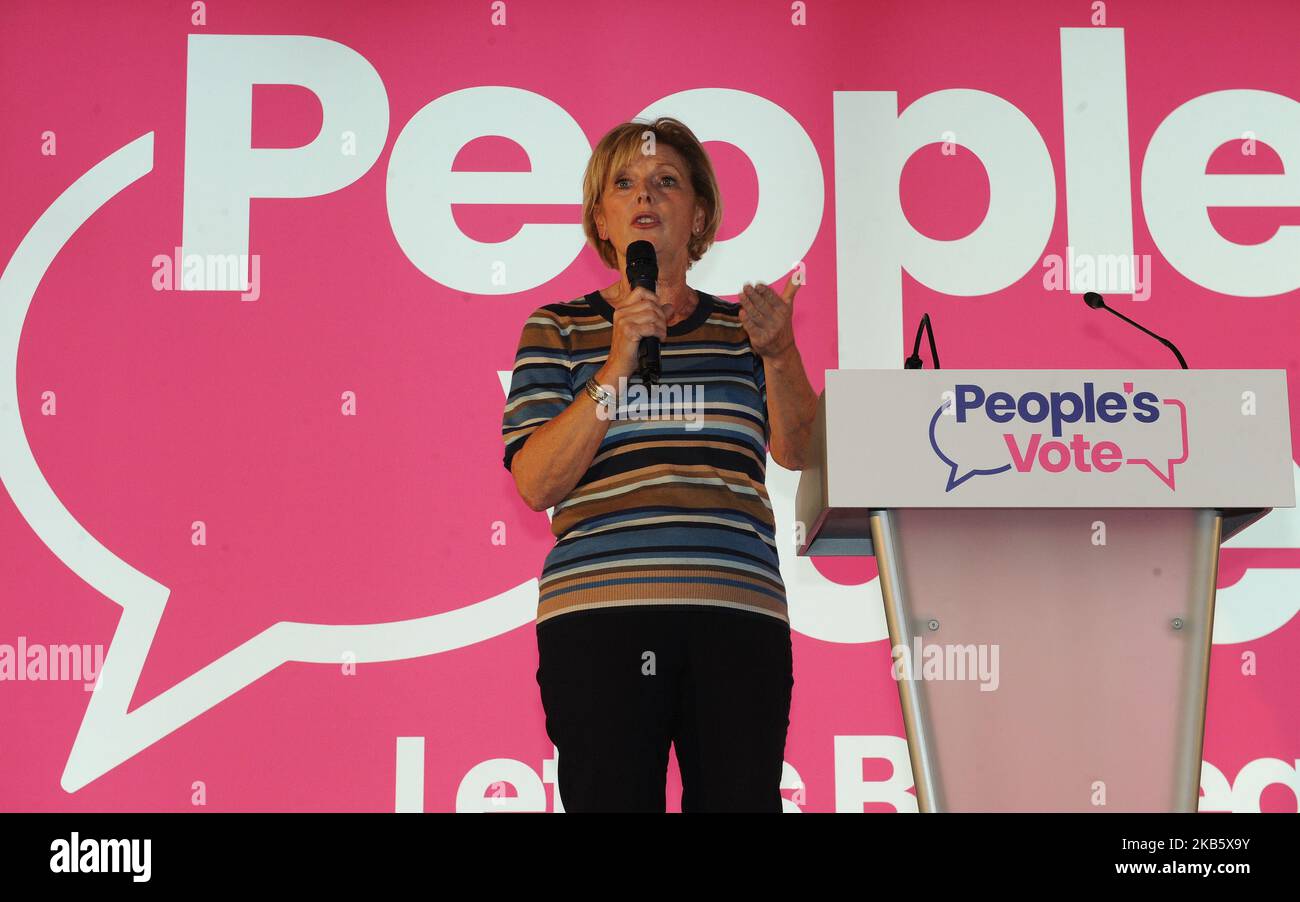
[662,614]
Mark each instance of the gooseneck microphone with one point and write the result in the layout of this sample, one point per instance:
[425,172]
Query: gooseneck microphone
[914,362]
[1094,300]
[643,271]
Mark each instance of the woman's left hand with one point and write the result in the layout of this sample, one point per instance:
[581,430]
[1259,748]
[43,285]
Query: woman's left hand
[768,317]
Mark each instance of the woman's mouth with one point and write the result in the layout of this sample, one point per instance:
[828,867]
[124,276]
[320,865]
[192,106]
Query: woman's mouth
[645,221]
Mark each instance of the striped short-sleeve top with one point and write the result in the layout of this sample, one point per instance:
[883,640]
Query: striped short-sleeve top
[673,509]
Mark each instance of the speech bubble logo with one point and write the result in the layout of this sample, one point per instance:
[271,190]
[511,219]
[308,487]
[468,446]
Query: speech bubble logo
[1164,469]
[954,468]
[110,733]
[1129,432]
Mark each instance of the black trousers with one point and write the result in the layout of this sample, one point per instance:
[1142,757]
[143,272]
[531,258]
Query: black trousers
[620,684]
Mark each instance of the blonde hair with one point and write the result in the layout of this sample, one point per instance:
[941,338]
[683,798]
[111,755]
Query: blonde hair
[619,147]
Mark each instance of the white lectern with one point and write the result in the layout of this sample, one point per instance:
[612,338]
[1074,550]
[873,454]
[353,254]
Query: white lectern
[1048,544]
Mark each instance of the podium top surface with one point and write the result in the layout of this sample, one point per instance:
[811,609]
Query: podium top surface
[1049,438]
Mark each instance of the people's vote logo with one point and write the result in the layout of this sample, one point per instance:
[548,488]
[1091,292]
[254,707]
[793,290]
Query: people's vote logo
[1089,431]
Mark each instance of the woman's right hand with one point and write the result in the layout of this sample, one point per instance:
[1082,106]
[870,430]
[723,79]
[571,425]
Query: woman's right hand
[640,316]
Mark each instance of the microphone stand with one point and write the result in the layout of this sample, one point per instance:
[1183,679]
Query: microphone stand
[914,362]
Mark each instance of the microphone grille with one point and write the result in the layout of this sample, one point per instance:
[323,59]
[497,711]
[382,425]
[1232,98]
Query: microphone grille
[640,250]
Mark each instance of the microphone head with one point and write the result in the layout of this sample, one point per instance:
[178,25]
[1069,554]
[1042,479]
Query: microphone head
[1093,300]
[640,250]
[642,264]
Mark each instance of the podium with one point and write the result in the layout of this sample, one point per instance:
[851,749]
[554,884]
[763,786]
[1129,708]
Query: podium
[1047,543]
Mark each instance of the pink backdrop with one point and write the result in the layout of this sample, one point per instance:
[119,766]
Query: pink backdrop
[337,441]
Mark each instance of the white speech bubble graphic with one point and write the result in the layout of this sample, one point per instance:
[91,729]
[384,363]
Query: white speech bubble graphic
[108,734]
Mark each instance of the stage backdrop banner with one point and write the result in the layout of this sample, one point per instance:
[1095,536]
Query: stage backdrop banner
[266,266]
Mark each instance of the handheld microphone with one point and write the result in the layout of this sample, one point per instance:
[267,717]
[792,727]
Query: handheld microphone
[643,271]
[1094,300]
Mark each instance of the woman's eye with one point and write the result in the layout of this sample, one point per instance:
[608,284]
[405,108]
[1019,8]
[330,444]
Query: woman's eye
[667,179]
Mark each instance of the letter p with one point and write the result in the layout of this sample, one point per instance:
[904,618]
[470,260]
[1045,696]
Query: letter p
[969,397]
[223,171]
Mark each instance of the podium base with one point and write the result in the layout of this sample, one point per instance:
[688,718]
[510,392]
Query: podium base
[1051,659]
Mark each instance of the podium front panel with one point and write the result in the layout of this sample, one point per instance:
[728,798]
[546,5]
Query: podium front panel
[1051,659]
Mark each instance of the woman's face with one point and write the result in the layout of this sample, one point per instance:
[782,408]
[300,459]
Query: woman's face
[651,200]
